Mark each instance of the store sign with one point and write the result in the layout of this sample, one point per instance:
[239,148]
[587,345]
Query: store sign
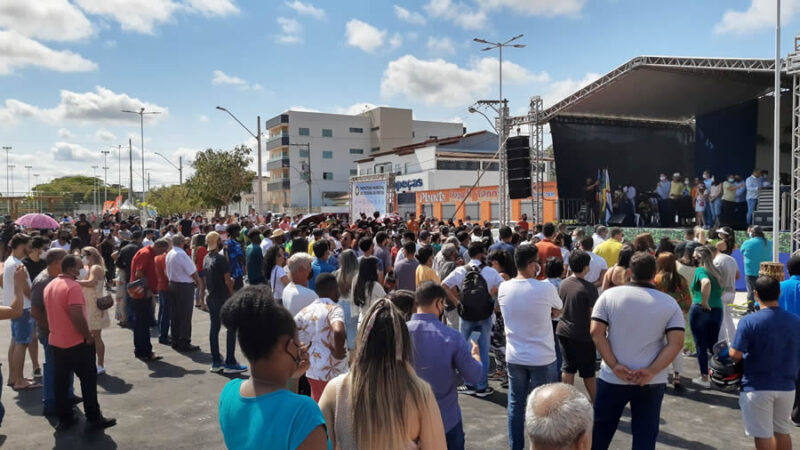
[480,194]
[404,185]
[368,197]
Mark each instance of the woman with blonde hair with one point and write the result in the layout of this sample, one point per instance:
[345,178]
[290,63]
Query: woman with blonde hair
[381,402]
[347,271]
[92,290]
[669,281]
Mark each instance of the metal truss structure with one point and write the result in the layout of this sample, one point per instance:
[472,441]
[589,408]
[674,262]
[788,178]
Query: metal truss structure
[793,68]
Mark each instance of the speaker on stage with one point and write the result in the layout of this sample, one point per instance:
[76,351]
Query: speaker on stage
[518,167]
[616,220]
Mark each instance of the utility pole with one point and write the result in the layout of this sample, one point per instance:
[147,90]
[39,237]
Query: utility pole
[141,114]
[105,175]
[130,159]
[257,136]
[148,182]
[36,195]
[94,180]
[8,189]
[179,166]
[119,170]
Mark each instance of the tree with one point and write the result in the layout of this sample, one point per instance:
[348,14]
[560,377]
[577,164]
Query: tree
[175,199]
[77,188]
[220,177]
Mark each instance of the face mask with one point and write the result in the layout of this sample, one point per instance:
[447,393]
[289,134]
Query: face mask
[750,234]
[663,178]
[85,261]
[705,176]
[297,359]
[730,180]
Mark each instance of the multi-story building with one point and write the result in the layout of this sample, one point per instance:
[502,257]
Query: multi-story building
[332,143]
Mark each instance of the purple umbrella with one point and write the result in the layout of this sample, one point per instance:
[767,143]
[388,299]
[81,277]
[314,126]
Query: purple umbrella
[37,221]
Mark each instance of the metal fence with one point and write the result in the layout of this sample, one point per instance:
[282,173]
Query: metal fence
[17,204]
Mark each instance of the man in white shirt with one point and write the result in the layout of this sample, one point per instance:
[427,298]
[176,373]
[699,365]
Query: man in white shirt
[597,266]
[528,306]
[482,327]
[182,276]
[266,241]
[599,236]
[296,295]
[21,327]
[729,270]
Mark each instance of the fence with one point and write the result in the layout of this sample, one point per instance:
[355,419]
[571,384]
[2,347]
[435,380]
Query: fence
[71,203]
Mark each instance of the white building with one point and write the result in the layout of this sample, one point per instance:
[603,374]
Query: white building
[336,142]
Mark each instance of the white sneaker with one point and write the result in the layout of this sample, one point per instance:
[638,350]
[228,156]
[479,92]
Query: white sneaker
[101,370]
[701,382]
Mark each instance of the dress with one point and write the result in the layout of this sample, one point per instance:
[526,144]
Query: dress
[98,319]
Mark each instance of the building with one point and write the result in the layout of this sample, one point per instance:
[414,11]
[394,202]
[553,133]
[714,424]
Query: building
[332,143]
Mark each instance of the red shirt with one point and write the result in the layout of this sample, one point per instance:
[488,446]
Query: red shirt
[546,249]
[144,261]
[200,255]
[59,295]
[161,272]
[523,225]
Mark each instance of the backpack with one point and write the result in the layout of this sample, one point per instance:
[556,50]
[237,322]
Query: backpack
[475,302]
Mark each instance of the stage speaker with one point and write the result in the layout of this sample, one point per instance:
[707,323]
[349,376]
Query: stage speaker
[518,167]
[616,220]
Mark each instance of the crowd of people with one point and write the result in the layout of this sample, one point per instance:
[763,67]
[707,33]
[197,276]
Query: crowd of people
[364,334]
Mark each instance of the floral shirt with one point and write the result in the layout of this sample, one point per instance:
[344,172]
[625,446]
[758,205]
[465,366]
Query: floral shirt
[235,252]
[314,326]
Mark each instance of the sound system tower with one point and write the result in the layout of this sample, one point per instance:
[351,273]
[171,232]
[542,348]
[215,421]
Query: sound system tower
[518,167]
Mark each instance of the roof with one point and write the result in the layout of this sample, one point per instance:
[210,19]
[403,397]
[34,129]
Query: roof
[673,89]
[480,142]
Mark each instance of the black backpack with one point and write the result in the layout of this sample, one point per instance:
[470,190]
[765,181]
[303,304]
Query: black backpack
[475,302]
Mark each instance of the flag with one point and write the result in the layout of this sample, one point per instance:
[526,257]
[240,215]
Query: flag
[605,194]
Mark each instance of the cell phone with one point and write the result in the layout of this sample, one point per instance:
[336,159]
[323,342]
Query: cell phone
[106,232]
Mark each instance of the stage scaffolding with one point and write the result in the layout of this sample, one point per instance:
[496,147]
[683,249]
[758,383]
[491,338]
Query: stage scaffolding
[793,69]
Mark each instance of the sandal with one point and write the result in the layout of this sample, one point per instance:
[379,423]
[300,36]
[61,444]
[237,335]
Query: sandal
[29,386]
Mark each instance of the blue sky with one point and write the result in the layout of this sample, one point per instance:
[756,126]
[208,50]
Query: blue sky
[68,66]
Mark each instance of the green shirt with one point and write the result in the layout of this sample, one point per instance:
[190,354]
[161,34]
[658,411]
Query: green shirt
[715,297]
[254,261]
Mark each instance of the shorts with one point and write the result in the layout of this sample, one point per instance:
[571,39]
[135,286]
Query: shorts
[766,412]
[201,273]
[22,328]
[577,357]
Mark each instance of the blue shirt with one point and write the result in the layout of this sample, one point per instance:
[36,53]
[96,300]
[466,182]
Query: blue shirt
[234,254]
[770,341]
[789,300]
[752,184]
[500,245]
[320,267]
[662,189]
[278,420]
[741,191]
[755,252]
[438,351]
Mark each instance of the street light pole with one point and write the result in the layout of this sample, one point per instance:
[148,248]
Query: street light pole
[94,183]
[119,170]
[29,178]
[179,167]
[141,114]
[307,172]
[8,190]
[776,138]
[260,181]
[36,195]
[105,175]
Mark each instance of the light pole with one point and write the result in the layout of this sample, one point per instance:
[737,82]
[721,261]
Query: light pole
[94,181]
[105,175]
[141,114]
[257,136]
[179,167]
[119,170]
[8,190]
[502,188]
[36,196]
[776,139]
[307,172]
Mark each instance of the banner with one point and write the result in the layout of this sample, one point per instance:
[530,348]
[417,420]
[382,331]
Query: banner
[368,197]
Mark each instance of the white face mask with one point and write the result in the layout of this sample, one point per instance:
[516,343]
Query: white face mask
[85,261]
[663,178]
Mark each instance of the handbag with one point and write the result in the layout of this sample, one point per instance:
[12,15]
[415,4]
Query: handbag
[105,302]
[137,289]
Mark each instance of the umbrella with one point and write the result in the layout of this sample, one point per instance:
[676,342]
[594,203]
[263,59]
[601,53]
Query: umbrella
[389,218]
[37,221]
[308,218]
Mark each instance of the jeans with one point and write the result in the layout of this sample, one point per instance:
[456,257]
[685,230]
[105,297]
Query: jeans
[708,216]
[350,324]
[2,408]
[752,203]
[455,437]
[609,403]
[129,316]
[142,313]
[705,329]
[521,381]
[214,307]
[80,361]
[164,306]
[750,281]
[559,360]
[484,329]
[48,375]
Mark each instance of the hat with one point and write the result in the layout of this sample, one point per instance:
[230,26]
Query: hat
[277,233]
[722,231]
[212,240]
[676,174]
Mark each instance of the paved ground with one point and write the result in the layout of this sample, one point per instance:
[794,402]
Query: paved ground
[173,404]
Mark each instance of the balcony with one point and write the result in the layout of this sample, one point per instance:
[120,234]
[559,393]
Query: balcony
[278,163]
[277,141]
[278,185]
[277,120]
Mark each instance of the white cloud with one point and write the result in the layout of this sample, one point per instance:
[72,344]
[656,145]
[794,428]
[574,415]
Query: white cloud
[290,31]
[440,46]
[355,108]
[559,90]
[99,106]
[539,7]
[457,12]
[64,151]
[221,77]
[49,20]
[18,51]
[307,9]
[409,16]
[301,108]
[214,7]
[396,41]
[760,15]
[104,135]
[132,15]
[442,83]
[364,36]
[64,133]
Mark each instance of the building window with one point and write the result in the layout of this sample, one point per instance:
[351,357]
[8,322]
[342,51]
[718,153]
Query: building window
[327,154]
[458,165]
[433,137]
[304,153]
[327,133]
[356,151]
[327,175]
[353,172]
[356,130]
[374,128]
[303,132]
[375,149]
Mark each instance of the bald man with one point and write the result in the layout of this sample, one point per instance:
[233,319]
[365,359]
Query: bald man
[558,416]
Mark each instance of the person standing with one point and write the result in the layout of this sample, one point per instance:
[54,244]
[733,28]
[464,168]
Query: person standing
[21,327]
[789,301]
[165,301]
[220,288]
[182,275]
[609,249]
[753,185]
[296,295]
[527,305]
[770,370]
[597,266]
[83,230]
[143,268]
[592,205]
[235,255]
[755,250]
[321,324]
[705,314]
[440,351]
[186,225]
[34,263]
[92,290]
[73,346]
[366,286]
[322,261]
[123,263]
[425,270]
[638,332]
[547,249]
[254,258]
[669,281]
[405,269]
[729,273]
